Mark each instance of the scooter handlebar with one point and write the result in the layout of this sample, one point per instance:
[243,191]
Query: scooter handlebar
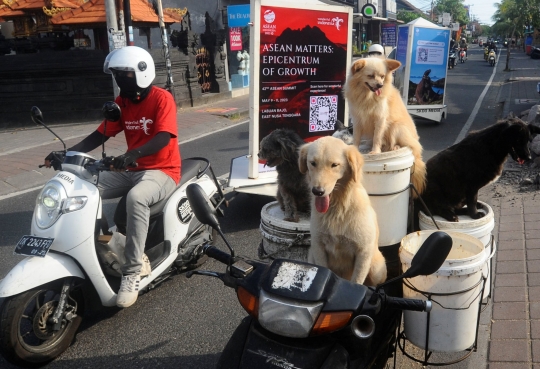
[408,304]
[217,254]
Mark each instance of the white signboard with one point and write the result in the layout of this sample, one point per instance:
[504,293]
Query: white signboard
[446,19]
[430,52]
[455,27]
[117,38]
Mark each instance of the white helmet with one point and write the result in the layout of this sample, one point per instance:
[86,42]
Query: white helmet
[132,58]
[376,48]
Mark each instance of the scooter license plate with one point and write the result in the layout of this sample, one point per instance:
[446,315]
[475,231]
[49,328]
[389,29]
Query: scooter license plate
[33,246]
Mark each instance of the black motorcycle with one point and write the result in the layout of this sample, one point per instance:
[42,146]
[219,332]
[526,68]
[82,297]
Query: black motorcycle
[304,316]
[452,58]
[535,53]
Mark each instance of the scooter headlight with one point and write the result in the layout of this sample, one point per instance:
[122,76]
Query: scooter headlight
[286,317]
[49,204]
[52,202]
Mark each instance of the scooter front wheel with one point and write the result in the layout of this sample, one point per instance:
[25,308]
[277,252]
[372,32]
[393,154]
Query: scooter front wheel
[27,335]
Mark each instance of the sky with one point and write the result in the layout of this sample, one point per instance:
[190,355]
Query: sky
[481,9]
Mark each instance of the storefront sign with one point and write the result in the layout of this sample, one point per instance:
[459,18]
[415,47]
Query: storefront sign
[303,61]
[238,15]
[388,34]
[235,38]
[369,11]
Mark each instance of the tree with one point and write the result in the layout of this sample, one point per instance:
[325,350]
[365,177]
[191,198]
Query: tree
[408,16]
[512,15]
[455,8]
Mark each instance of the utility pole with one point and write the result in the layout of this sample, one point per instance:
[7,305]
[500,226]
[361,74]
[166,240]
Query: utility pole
[165,42]
[127,21]
[112,28]
[432,10]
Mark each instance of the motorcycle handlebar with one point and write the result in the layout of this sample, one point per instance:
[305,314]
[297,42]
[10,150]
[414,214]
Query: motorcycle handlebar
[408,304]
[217,254]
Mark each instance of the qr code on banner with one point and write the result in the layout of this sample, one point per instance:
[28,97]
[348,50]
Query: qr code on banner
[422,55]
[322,113]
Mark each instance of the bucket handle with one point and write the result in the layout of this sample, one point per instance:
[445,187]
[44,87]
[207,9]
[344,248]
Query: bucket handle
[493,247]
[429,295]
[281,240]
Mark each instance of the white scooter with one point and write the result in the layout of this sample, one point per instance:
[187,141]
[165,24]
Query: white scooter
[64,273]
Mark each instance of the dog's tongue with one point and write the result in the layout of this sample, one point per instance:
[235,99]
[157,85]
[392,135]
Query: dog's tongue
[378,92]
[520,161]
[322,203]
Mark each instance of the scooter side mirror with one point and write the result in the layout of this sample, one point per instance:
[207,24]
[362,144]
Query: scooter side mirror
[430,256]
[37,116]
[111,111]
[201,205]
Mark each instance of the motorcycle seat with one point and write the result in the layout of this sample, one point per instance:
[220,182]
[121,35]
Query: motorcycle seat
[190,169]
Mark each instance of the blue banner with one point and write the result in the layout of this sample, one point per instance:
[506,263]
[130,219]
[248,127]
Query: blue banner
[429,61]
[401,56]
[238,15]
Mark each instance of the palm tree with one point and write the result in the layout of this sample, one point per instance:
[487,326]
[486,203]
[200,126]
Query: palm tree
[515,14]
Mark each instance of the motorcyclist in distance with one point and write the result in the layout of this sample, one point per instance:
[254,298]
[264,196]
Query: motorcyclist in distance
[463,44]
[492,46]
[377,51]
[149,170]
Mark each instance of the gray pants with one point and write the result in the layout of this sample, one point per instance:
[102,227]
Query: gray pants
[144,188]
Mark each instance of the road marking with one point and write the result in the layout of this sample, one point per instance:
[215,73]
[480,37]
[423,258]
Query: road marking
[19,193]
[19,149]
[211,133]
[470,121]
[526,101]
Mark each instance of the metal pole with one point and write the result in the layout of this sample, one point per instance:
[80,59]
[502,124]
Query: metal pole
[164,41]
[112,26]
[127,21]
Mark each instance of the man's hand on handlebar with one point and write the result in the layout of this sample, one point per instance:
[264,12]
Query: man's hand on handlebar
[54,159]
[124,161]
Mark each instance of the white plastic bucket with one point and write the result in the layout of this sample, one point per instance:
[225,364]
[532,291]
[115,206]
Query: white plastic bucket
[386,179]
[480,228]
[283,239]
[454,316]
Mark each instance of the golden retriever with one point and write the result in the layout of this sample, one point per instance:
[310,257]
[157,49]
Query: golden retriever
[378,112]
[344,230]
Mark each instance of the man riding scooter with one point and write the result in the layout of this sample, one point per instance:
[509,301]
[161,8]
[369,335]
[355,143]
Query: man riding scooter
[463,45]
[150,169]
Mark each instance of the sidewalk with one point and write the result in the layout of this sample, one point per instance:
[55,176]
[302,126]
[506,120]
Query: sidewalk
[21,151]
[514,327]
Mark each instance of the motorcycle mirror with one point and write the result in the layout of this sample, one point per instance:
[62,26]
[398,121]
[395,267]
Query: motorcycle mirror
[111,111]
[204,210]
[430,256]
[201,206]
[37,117]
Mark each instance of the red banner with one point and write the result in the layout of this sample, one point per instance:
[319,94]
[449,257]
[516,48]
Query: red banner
[235,38]
[302,70]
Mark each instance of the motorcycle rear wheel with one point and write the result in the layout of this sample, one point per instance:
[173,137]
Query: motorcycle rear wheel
[27,337]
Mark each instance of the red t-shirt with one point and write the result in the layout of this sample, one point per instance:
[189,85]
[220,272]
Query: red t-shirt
[141,122]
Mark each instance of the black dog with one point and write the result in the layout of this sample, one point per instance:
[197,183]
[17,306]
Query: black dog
[455,175]
[280,149]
